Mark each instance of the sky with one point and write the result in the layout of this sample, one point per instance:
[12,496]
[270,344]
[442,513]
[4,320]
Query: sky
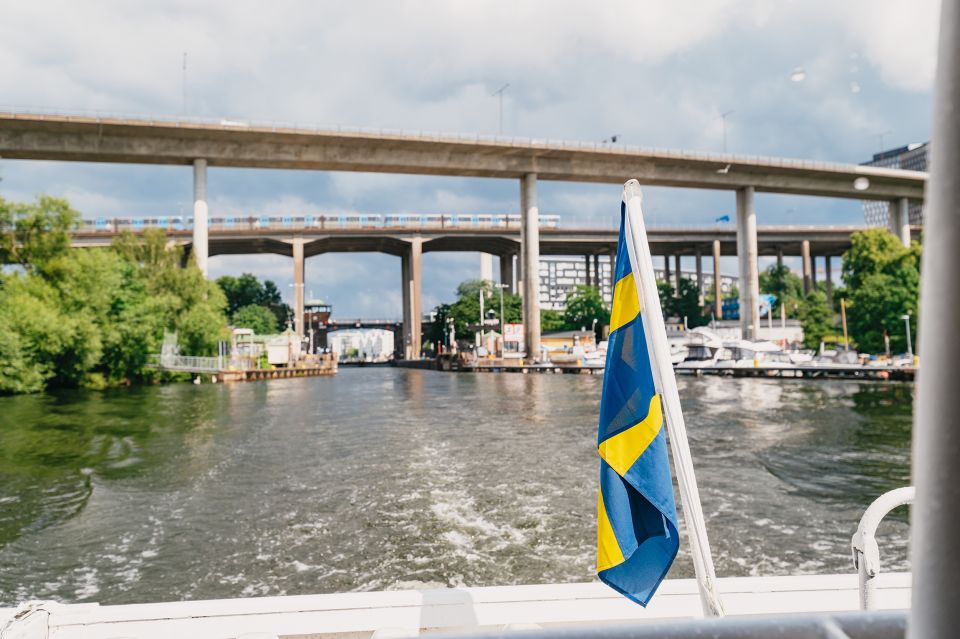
[808,79]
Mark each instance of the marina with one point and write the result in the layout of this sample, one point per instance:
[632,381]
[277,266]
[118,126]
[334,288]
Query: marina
[678,424]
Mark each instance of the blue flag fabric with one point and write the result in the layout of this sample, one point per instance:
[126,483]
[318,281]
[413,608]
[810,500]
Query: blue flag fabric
[637,538]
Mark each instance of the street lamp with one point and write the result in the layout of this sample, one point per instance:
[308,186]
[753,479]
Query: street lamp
[906,321]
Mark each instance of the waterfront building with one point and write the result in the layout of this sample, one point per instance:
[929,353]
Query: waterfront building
[560,275]
[913,157]
[364,345]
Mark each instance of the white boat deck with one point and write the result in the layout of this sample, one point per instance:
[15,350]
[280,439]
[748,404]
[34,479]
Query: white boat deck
[413,612]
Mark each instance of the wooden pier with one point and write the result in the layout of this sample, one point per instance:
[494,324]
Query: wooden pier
[218,369]
[800,371]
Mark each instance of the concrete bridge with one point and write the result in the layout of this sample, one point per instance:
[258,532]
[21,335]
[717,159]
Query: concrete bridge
[241,144]
[304,235]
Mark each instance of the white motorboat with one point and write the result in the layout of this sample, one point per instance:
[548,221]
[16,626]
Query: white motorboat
[746,354]
[703,347]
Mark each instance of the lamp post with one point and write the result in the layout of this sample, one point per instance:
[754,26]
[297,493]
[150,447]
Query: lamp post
[906,322]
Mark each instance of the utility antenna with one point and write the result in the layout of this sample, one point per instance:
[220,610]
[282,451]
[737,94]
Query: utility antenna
[880,137]
[499,94]
[183,86]
[723,118]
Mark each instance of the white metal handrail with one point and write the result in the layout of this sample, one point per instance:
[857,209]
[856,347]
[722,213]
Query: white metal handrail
[866,553]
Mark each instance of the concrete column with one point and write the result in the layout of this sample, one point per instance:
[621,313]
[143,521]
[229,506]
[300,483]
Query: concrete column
[666,269]
[807,277]
[827,259]
[900,220]
[486,267]
[779,258]
[813,271]
[506,273]
[677,275]
[200,212]
[700,278]
[597,280]
[405,301]
[717,285]
[412,289]
[749,271]
[586,266]
[530,245]
[298,264]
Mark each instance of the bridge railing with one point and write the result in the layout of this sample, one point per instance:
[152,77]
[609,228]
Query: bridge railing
[309,221]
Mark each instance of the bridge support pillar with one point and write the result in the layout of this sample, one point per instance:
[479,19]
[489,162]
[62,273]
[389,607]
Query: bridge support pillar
[699,279]
[717,283]
[530,251]
[900,220]
[597,280]
[807,276]
[749,271]
[506,273]
[412,288]
[666,269]
[298,304]
[486,267]
[813,272]
[779,259]
[829,279]
[586,266]
[200,214]
[677,276]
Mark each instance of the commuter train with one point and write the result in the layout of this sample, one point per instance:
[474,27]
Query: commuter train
[310,221]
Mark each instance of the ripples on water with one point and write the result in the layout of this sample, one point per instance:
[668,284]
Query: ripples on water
[388,478]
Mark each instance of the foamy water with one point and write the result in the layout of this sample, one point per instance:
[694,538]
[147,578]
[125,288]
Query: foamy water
[385,479]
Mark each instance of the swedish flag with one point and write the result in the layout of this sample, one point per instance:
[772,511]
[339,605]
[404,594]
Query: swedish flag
[637,517]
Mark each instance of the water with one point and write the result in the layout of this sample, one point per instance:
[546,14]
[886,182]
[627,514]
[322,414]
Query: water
[386,478]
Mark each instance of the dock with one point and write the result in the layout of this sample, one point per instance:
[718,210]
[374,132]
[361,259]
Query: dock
[226,369]
[797,371]
[808,371]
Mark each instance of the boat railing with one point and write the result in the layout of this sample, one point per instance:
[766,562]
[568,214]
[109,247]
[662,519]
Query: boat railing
[866,553]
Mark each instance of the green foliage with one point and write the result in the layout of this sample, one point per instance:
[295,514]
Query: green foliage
[684,305]
[92,317]
[33,234]
[466,310]
[254,316]
[247,289]
[882,278]
[817,319]
[584,306]
[551,321]
[786,285]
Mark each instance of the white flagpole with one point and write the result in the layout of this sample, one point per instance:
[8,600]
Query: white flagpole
[651,314]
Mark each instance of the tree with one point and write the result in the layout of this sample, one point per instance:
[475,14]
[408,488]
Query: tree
[817,319]
[585,310]
[882,278]
[551,321]
[34,234]
[247,289]
[92,317]
[256,317]
[685,305]
[783,283]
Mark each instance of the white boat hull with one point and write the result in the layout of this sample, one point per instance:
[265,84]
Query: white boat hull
[411,612]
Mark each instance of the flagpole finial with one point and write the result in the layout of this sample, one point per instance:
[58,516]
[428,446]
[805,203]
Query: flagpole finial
[631,189]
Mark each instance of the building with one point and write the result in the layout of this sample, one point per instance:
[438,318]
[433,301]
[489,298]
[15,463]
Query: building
[913,157]
[364,345]
[560,275]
